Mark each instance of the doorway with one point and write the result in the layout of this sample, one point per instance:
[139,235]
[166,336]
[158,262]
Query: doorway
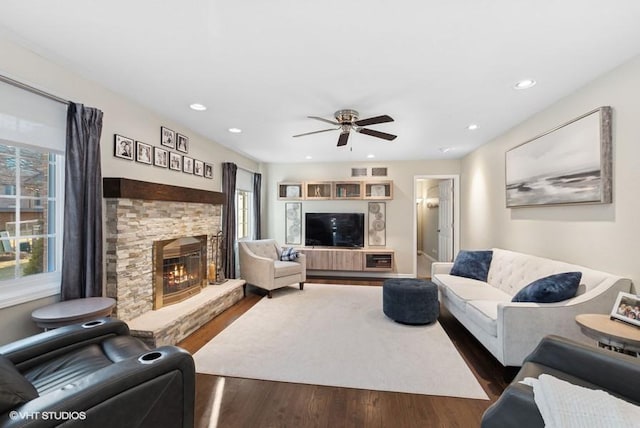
[436,217]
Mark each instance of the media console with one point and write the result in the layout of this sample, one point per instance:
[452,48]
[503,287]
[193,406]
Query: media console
[347,259]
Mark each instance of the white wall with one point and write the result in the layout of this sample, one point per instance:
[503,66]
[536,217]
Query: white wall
[121,116]
[604,237]
[400,210]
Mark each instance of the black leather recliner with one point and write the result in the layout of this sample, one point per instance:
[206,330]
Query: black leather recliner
[95,375]
[573,362]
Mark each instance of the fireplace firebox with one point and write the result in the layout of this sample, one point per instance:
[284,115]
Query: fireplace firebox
[179,269]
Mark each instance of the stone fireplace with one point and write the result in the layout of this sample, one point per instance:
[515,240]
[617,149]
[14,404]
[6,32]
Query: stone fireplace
[179,269]
[139,214]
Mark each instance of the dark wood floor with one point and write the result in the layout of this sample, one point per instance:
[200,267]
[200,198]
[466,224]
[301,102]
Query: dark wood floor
[235,402]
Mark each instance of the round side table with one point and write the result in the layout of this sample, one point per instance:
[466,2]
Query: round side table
[72,312]
[615,335]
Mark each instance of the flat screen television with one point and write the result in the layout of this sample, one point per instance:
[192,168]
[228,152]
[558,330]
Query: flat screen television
[334,230]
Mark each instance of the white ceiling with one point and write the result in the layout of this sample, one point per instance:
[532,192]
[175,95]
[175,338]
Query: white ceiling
[263,66]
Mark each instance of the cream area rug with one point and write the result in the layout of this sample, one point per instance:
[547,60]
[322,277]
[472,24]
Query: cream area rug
[337,335]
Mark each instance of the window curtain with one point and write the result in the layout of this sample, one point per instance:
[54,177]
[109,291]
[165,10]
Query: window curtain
[82,243]
[257,209]
[229,171]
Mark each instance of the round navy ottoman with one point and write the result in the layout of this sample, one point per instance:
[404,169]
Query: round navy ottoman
[410,301]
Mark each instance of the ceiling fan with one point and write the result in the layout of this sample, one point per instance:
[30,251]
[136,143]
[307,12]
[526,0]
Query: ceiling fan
[347,120]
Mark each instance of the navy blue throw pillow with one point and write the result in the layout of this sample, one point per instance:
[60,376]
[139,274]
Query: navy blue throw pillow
[472,264]
[552,288]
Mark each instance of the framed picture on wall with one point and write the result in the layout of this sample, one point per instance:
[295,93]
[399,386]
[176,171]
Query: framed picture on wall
[187,164]
[175,161]
[182,143]
[143,153]
[377,224]
[208,170]
[160,157]
[123,147]
[198,168]
[293,223]
[167,137]
[570,164]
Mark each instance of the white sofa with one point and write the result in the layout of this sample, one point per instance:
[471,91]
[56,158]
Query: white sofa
[511,331]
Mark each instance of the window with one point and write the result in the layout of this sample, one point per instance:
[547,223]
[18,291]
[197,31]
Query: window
[32,138]
[243,220]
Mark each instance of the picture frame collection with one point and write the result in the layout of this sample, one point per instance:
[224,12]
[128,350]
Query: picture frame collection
[171,154]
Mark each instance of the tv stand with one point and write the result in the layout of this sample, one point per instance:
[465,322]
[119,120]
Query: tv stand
[349,259]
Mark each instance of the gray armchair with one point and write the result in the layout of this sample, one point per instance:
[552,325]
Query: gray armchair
[260,265]
[570,361]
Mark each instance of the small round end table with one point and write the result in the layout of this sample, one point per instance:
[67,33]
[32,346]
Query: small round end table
[72,312]
[615,335]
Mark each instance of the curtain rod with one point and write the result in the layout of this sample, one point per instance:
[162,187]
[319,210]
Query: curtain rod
[31,89]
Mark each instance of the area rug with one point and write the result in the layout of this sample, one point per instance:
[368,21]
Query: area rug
[337,335]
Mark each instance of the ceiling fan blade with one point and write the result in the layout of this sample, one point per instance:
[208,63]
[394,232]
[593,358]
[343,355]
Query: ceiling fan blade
[374,120]
[378,134]
[342,141]
[333,122]
[316,132]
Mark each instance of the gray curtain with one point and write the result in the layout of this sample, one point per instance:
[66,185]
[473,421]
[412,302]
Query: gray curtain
[82,241]
[257,209]
[229,171]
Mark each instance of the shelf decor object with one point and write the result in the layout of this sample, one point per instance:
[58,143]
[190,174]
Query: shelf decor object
[293,223]
[377,224]
[570,164]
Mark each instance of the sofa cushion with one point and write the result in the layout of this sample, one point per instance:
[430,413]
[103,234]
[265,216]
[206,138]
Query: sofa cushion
[459,290]
[289,254]
[472,264]
[14,388]
[484,313]
[552,288]
[286,268]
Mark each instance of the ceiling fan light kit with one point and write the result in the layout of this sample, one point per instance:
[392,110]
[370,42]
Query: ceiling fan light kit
[347,120]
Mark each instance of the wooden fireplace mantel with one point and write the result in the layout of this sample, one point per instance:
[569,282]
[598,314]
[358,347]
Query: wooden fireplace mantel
[114,187]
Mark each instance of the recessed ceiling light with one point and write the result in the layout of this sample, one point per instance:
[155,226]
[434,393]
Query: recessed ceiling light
[472,127]
[198,107]
[308,157]
[524,84]
[235,130]
[445,149]
[371,156]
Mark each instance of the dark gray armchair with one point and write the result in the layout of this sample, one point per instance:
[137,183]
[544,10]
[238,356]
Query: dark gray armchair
[573,362]
[95,374]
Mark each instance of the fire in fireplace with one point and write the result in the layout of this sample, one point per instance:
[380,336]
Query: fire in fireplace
[179,269]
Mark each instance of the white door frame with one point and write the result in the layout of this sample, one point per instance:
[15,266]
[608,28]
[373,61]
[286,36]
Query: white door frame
[456,213]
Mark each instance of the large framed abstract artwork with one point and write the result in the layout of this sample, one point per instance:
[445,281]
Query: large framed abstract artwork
[570,164]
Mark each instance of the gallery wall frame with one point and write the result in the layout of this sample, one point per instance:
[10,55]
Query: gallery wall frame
[143,153]
[293,223]
[123,147]
[167,137]
[175,161]
[160,157]
[569,164]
